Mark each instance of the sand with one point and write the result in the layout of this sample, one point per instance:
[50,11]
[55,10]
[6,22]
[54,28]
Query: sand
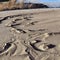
[32,34]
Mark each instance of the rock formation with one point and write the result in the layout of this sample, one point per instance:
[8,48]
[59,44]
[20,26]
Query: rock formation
[11,4]
[35,5]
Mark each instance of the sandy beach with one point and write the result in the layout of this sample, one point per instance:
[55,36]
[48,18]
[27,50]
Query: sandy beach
[32,34]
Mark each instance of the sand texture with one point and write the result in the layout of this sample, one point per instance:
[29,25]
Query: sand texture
[30,34]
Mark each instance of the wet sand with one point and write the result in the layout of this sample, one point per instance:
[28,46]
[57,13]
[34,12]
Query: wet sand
[30,34]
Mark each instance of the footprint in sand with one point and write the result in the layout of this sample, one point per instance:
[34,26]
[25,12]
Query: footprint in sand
[41,46]
[9,48]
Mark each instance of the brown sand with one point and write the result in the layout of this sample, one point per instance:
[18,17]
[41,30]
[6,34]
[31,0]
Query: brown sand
[30,34]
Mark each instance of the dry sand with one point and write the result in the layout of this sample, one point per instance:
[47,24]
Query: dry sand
[32,34]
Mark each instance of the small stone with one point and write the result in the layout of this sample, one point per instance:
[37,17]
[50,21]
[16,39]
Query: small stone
[15,30]
[32,42]
[13,20]
[8,25]
[45,35]
[13,39]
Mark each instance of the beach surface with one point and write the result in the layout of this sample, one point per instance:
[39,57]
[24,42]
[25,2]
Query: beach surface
[32,34]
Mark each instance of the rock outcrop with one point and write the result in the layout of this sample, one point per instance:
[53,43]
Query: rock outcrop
[11,4]
[35,5]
